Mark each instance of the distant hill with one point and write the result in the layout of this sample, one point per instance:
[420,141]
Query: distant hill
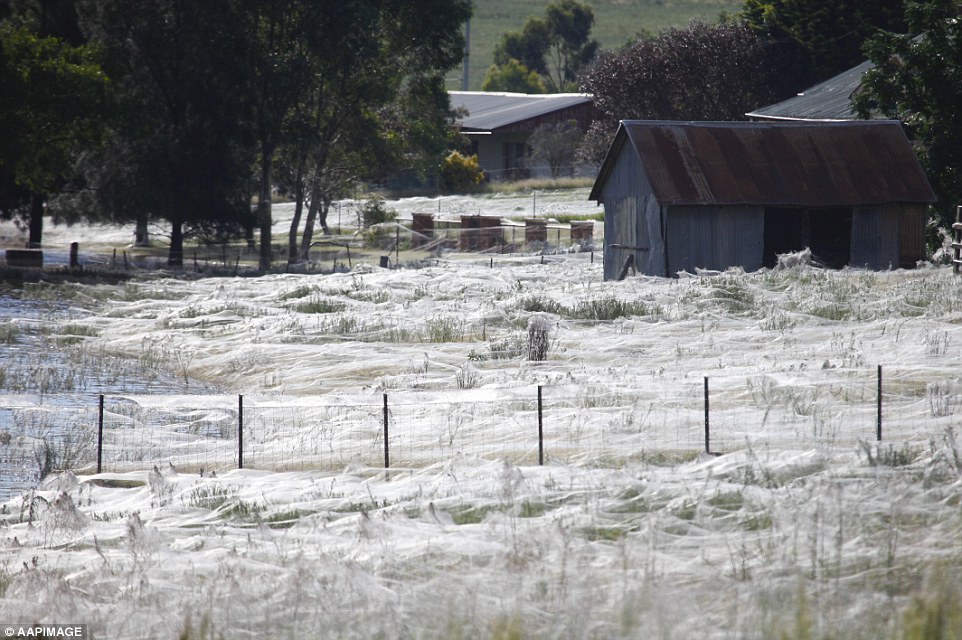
[616,22]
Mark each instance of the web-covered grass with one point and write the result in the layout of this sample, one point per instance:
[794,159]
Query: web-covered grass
[805,527]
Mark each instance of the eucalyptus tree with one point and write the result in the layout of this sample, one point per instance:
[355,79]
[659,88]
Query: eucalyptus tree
[176,149]
[344,85]
[557,46]
[51,105]
[811,40]
[917,79]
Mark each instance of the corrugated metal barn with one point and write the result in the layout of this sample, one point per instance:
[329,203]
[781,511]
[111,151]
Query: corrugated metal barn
[681,196]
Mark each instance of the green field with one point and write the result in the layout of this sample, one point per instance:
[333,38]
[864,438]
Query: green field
[616,22]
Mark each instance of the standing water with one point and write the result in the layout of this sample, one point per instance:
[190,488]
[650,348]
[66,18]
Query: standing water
[50,383]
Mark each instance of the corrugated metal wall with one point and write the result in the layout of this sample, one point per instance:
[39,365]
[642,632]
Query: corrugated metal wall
[715,238]
[702,220]
[875,237]
[632,221]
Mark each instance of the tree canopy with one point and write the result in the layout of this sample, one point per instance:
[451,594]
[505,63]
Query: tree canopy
[175,150]
[357,56]
[918,80]
[557,46]
[512,76]
[180,110]
[701,72]
[812,40]
[52,94]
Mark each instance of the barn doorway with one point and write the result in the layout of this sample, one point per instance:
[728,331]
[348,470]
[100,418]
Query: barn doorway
[827,232]
[786,230]
[830,236]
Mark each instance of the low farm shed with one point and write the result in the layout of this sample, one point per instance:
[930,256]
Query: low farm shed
[681,196]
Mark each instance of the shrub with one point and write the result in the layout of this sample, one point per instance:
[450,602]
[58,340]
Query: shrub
[539,339]
[460,174]
[508,348]
[375,212]
[541,304]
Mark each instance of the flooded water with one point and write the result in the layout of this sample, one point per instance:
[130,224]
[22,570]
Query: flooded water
[50,385]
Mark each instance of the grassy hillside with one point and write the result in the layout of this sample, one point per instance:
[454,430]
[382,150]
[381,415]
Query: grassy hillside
[616,22]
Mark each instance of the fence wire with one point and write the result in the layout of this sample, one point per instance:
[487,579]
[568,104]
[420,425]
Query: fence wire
[577,424]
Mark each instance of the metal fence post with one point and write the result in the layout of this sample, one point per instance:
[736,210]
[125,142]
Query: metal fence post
[878,423]
[707,423]
[387,452]
[540,429]
[240,432]
[100,436]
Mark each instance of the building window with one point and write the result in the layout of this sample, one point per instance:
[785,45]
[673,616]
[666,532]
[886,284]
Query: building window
[515,154]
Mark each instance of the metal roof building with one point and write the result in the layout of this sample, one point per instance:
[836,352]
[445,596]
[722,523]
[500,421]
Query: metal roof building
[681,196]
[830,100]
[499,125]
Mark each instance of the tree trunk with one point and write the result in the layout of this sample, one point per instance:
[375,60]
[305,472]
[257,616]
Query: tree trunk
[264,220]
[35,233]
[296,220]
[292,234]
[175,258]
[308,238]
[249,234]
[322,216]
[141,234]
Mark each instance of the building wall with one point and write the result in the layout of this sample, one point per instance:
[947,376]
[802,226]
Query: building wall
[875,237]
[497,150]
[888,236]
[912,247]
[715,238]
[633,219]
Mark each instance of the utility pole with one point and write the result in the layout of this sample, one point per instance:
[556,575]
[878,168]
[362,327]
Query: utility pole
[467,54]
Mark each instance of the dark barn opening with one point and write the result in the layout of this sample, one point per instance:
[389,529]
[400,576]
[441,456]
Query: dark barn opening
[830,236]
[827,232]
[785,231]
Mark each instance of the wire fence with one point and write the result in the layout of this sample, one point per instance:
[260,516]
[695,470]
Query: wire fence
[557,424]
[389,245]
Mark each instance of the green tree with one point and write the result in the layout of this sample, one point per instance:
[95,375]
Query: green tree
[50,110]
[280,37]
[176,149]
[918,80]
[527,46]
[811,40]
[512,76]
[572,48]
[378,103]
[357,55]
[558,46]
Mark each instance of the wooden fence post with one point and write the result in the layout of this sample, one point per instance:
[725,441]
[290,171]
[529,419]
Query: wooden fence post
[240,432]
[100,436]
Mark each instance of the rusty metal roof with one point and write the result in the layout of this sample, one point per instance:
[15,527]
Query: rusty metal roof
[773,164]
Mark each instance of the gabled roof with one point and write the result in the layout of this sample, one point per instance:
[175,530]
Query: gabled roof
[827,101]
[772,163]
[487,112]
